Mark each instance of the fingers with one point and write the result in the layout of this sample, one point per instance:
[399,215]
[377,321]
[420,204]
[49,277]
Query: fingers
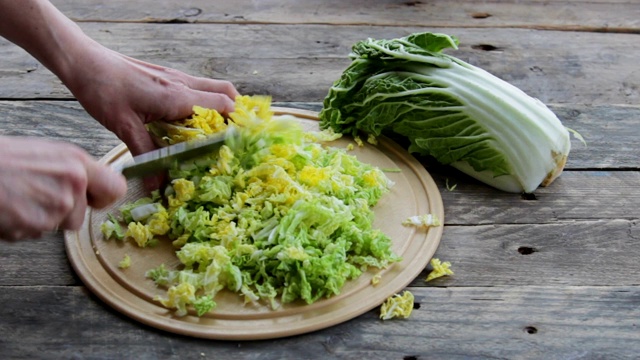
[46,185]
[214,86]
[205,87]
[135,135]
[154,182]
[104,186]
[16,234]
[183,101]
[208,93]
[220,102]
[75,218]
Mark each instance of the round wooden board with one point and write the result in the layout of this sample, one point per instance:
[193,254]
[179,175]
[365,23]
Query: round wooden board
[128,291]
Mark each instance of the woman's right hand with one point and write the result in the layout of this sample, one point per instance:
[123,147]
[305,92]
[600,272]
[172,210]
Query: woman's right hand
[47,185]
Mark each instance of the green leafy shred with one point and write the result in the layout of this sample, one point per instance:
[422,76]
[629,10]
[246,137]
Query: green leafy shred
[204,304]
[111,228]
[125,263]
[274,216]
[450,187]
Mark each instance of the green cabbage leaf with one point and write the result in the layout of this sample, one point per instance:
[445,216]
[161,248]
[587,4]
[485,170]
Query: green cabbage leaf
[459,114]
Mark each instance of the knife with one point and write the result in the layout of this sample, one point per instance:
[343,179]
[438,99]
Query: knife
[161,159]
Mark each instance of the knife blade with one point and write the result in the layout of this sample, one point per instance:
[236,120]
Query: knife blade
[161,159]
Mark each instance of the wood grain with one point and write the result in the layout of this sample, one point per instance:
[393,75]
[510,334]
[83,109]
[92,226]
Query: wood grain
[41,262]
[61,120]
[455,323]
[484,230]
[482,255]
[581,15]
[549,276]
[300,62]
[603,127]
[576,196]
[550,254]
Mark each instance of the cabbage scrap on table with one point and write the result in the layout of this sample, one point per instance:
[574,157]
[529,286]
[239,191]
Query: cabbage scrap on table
[274,216]
[397,306]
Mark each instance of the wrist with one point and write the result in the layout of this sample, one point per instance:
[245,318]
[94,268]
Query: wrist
[79,58]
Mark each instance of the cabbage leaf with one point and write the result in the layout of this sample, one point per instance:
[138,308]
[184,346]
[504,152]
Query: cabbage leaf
[459,114]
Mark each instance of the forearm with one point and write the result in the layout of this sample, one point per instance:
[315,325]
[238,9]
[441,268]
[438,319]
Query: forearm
[43,31]
[120,92]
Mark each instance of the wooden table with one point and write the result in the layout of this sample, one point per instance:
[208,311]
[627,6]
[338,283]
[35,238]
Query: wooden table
[553,275]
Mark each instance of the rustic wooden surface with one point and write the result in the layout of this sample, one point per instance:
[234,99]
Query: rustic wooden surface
[550,276]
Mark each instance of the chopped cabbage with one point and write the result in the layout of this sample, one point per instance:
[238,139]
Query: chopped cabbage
[111,228]
[125,263]
[204,304]
[140,233]
[439,269]
[397,306]
[144,211]
[427,220]
[274,216]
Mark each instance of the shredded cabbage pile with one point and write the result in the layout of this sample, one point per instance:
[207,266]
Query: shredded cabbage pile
[273,216]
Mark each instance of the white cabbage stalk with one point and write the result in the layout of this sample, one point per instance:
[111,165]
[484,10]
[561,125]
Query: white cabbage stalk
[426,220]
[526,131]
[446,108]
[142,212]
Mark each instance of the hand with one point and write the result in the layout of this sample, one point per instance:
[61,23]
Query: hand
[123,93]
[46,185]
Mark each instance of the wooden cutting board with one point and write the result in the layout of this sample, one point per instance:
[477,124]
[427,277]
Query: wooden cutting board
[96,259]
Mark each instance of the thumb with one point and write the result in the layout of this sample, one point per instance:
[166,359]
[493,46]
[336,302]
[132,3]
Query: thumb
[139,141]
[104,185]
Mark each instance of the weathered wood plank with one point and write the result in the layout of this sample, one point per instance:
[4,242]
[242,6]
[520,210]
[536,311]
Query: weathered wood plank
[38,262]
[618,15]
[566,253]
[569,216]
[60,120]
[570,253]
[300,62]
[604,127]
[549,276]
[454,323]
[576,195]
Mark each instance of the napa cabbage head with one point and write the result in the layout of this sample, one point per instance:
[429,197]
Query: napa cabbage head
[459,114]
